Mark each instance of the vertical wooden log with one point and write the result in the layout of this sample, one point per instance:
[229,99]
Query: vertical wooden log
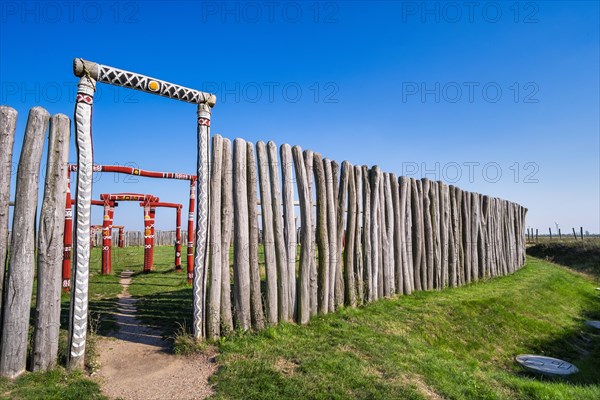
[474,236]
[445,239]
[389,281]
[289,224]
[454,234]
[303,291]
[332,232]
[382,233]
[375,234]
[428,234]
[342,194]
[418,240]
[226,227]
[483,239]
[21,262]
[338,296]
[213,320]
[435,222]
[280,249]
[268,235]
[308,165]
[349,250]
[241,264]
[322,235]
[358,242]
[8,123]
[399,233]
[466,213]
[368,263]
[50,234]
[405,236]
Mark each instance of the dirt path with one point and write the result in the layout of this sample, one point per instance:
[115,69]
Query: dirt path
[135,363]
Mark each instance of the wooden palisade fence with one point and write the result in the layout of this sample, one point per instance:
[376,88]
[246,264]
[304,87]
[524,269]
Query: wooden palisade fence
[17,288]
[372,235]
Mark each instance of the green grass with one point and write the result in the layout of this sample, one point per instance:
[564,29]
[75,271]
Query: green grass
[456,343]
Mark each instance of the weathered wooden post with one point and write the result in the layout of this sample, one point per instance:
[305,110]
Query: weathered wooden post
[289,228]
[322,235]
[303,298]
[256,304]
[283,287]
[581,232]
[226,232]
[358,242]
[21,262]
[8,123]
[308,164]
[50,233]
[214,283]
[351,217]
[268,234]
[106,235]
[241,265]
[331,232]
[375,234]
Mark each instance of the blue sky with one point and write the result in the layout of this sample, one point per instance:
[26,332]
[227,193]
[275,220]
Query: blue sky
[500,98]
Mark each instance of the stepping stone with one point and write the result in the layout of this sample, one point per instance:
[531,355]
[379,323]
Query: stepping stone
[546,365]
[593,324]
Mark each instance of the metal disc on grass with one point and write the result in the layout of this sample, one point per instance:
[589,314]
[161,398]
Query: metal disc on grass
[546,365]
[593,324]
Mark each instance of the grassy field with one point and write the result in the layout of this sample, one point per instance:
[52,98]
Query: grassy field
[456,343]
[582,255]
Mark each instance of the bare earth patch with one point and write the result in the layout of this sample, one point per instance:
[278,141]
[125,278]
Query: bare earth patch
[136,363]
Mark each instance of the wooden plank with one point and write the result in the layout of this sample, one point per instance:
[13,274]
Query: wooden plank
[461,252]
[358,242]
[322,235]
[256,304]
[306,240]
[226,233]
[437,230]
[241,264]
[280,249]
[332,232]
[8,123]
[399,235]
[368,263]
[308,164]
[350,232]
[268,235]
[375,232]
[341,193]
[21,262]
[50,248]
[213,319]
[289,224]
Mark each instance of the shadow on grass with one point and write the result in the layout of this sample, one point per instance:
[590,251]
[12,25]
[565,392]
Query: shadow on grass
[579,345]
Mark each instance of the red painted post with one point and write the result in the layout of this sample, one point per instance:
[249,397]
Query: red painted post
[111,215]
[152,218]
[121,237]
[147,243]
[178,240]
[67,239]
[105,239]
[190,232]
